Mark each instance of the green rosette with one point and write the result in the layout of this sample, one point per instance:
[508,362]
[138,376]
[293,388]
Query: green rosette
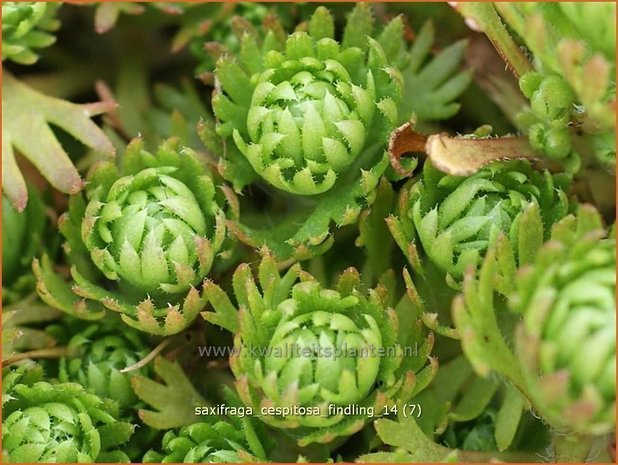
[560,351]
[317,351]
[453,220]
[99,353]
[59,423]
[567,340]
[220,442]
[140,241]
[309,117]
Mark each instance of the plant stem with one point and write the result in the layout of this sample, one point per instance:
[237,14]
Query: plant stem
[483,17]
[54,352]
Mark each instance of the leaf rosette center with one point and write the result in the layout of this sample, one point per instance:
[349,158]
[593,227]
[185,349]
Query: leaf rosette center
[148,230]
[307,115]
[308,118]
[329,357]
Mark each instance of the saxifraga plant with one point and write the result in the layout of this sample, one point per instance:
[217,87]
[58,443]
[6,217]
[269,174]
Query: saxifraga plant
[564,358]
[310,117]
[300,344]
[567,339]
[453,220]
[200,443]
[45,422]
[229,440]
[141,241]
[97,356]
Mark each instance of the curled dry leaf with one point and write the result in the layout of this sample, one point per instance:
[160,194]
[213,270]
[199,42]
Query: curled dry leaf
[457,155]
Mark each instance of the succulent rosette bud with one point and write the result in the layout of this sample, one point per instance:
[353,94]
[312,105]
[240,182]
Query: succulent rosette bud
[310,116]
[567,340]
[316,351]
[27,26]
[564,353]
[220,442]
[99,353]
[62,423]
[453,220]
[140,241]
[305,109]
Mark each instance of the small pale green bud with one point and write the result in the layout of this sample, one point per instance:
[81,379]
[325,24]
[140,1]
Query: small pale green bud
[529,83]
